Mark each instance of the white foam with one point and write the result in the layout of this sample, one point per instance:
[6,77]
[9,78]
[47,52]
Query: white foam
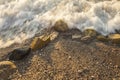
[22,19]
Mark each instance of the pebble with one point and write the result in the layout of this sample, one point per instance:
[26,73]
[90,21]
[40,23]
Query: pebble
[7,68]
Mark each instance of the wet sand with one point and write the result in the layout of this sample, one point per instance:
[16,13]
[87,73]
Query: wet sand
[68,59]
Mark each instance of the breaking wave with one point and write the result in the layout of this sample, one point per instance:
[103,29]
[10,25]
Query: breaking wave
[22,19]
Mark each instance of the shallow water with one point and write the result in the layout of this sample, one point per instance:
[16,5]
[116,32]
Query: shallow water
[22,19]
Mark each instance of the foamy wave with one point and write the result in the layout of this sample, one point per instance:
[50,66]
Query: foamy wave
[22,19]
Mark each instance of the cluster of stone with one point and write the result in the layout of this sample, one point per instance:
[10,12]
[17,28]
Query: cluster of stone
[8,67]
[61,26]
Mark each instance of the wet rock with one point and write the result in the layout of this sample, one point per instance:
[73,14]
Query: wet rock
[19,53]
[102,38]
[90,32]
[117,31]
[53,35]
[115,38]
[60,26]
[7,68]
[88,35]
[39,42]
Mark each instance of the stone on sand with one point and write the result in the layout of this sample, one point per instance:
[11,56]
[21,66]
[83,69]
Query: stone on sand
[115,38]
[102,38]
[88,35]
[60,26]
[39,42]
[18,54]
[7,68]
[89,32]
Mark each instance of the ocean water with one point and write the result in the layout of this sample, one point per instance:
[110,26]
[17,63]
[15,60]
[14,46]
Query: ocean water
[22,19]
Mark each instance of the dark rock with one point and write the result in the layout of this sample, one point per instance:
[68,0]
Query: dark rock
[19,54]
[117,31]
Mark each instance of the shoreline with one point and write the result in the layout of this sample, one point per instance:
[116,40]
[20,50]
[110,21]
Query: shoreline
[67,58]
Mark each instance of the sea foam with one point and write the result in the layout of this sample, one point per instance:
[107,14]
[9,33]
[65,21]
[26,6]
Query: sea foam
[22,19]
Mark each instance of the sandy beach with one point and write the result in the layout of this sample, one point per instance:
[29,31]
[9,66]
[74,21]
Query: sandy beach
[68,59]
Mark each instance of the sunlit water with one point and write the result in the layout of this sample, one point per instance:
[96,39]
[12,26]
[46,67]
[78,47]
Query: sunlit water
[22,19]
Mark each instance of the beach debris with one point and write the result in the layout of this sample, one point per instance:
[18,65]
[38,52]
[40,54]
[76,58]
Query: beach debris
[60,26]
[18,54]
[88,34]
[6,69]
[114,38]
[40,42]
[102,38]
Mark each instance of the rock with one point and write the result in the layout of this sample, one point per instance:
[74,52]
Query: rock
[115,38]
[39,42]
[60,26]
[7,68]
[19,54]
[53,35]
[76,36]
[117,31]
[88,35]
[90,32]
[102,38]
